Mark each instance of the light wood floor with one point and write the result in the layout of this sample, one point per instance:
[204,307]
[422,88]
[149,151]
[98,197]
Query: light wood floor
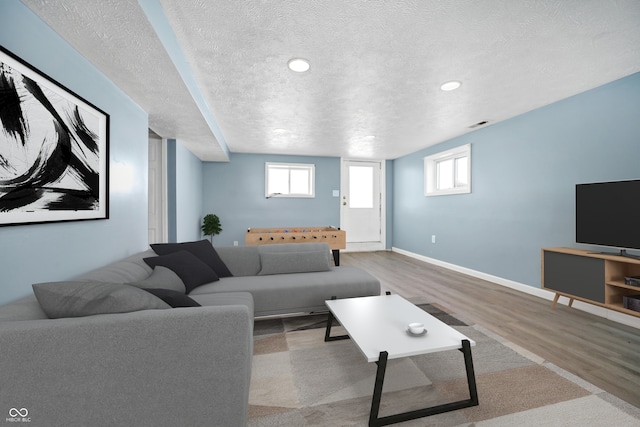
[602,352]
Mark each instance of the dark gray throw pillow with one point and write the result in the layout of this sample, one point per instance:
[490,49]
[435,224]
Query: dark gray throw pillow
[187,266]
[201,249]
[173,298]
[77,299]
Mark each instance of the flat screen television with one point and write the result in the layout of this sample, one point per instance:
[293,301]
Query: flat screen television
[608,214]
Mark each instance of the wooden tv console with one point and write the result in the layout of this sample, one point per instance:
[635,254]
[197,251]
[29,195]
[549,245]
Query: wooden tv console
[589,277]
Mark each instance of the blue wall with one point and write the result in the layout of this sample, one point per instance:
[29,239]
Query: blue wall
[524,172]
[189,184]
[184,193]
[389,173]
[172,214]
[46,252]
[235,192]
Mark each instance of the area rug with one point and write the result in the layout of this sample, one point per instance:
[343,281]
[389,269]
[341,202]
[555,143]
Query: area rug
[300,380]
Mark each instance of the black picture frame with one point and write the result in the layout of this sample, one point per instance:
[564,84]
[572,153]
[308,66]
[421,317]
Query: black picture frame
[54,149]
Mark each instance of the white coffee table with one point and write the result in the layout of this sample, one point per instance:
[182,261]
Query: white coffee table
[378,326]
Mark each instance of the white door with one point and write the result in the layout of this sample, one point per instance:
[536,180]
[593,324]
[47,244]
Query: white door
[362,204]
[157,190]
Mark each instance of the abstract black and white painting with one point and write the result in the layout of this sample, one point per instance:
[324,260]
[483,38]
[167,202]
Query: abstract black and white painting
[53,149]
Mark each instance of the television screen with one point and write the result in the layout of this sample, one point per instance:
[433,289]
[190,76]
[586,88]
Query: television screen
[608,214]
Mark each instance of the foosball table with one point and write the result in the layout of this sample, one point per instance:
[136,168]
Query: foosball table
[336,238]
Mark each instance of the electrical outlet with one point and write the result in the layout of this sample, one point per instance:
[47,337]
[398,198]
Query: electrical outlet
[433,238]
[235,243]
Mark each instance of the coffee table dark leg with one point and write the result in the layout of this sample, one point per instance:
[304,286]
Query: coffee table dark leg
[327,333]
[471,376]
[336,257]
[425,412]
[377,389]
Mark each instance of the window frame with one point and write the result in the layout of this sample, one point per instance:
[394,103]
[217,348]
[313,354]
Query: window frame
[310,167]
[431,171]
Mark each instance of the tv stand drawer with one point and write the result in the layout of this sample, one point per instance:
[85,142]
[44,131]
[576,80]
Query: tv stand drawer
[575,275]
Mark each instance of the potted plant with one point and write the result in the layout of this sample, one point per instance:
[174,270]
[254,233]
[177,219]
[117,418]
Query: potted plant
[211,225]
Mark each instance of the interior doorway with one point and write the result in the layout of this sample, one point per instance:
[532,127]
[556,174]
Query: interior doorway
[157,189]
[362,204]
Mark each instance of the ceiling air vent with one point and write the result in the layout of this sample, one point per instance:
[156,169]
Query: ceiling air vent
[482,123]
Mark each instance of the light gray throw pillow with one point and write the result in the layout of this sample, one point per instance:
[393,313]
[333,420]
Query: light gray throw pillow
[77,299]
[294,262]
[161,278]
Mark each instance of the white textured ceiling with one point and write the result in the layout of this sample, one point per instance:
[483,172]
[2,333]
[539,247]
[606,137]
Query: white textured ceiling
[376,66]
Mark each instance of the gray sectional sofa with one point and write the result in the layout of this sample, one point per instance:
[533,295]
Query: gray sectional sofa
[160,366]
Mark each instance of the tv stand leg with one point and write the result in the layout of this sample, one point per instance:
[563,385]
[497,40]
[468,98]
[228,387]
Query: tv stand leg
[555,301]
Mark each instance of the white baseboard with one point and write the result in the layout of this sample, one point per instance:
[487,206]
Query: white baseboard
[615,316]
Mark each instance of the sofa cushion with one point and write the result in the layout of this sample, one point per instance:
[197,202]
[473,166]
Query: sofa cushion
[26,308]
[173,298]
[161,278]
[297,292]
[191,270]
[202,249]
[241,260]
[297,262]
[225,298]
[77,299]
[130,269]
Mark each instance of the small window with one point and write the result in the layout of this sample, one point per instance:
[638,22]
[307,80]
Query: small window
[289,180]
[448,172]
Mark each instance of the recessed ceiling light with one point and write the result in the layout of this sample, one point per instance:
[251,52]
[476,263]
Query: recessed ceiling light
[452,85]
[298,65]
